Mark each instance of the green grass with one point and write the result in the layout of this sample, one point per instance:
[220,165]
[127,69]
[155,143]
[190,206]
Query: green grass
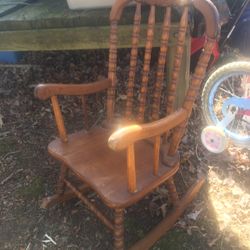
[33,190]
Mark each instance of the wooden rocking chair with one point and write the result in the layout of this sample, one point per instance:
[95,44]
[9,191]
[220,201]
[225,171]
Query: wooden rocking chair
[123,166]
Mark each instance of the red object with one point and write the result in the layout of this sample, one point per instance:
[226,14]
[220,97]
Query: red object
[197,44]
[244,112]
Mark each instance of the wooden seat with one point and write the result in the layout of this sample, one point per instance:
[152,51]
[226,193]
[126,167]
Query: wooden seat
[90,158]
[124,165]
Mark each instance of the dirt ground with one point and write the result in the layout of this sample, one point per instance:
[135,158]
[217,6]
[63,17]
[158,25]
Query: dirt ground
[218,219]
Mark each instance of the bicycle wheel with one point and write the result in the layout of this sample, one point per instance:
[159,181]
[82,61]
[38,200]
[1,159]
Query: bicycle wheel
[227,89]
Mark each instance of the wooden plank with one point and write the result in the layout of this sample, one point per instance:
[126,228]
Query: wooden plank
[45,14]
[70,39]
[60,39]
[52,14]
[56,14]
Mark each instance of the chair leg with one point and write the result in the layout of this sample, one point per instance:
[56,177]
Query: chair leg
[60,184]
[60,195]
[173,195]
[119,229]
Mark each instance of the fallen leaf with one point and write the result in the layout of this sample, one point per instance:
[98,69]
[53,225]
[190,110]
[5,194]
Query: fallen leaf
[194,215]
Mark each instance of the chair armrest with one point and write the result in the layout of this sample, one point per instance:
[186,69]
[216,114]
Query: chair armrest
[128,135]
[44,91]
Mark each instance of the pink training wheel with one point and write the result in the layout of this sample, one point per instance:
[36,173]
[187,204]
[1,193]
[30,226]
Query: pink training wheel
[214,139]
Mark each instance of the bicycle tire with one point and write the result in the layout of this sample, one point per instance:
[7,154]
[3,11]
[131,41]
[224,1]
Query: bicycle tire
[215,77]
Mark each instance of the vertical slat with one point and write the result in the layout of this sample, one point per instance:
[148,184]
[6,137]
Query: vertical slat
[177,62]
[192,93]
[133,60]
[161,64]
[85,111]
[131,168]
[112,69]
[157,145]
[146,66]
[59,119]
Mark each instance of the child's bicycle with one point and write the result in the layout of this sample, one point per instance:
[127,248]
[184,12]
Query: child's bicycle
[226,91]
[226,107]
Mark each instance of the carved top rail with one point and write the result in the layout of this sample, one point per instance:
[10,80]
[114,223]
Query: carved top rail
[206,7]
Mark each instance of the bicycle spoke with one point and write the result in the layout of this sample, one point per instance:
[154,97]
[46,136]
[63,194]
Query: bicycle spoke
[226,91]
[240,128]
[245,121]
[230,86]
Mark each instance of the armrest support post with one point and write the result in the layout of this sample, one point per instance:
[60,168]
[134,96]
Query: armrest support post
[59,119]
[131,168]
[157,146]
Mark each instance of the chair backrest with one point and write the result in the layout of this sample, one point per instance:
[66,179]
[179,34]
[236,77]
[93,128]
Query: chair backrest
[211,17]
